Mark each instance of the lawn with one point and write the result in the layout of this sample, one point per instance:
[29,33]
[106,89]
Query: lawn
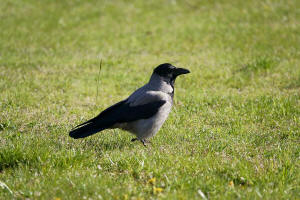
[233,132]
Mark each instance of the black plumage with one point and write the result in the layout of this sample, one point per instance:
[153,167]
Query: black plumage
[143,112]
[121,112]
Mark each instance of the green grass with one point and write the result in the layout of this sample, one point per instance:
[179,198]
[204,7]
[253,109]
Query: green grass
[233,133]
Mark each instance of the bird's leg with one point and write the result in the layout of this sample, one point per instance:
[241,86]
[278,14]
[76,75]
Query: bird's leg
[144,142]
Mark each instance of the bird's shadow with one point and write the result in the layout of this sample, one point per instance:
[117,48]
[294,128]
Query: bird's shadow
[102,145]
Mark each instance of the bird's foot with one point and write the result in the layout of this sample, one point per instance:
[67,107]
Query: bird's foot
[145,142]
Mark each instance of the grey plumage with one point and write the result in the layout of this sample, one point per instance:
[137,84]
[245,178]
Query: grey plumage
[143,112]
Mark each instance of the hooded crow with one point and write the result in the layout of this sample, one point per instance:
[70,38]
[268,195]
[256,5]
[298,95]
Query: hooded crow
[143,112]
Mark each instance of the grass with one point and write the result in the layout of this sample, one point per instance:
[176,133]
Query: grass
[234,130]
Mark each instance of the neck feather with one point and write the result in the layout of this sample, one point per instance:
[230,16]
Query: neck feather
[157,82]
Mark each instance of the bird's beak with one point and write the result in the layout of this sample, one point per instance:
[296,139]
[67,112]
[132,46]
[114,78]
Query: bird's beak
[179,71]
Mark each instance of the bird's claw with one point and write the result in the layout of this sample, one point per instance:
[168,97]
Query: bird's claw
[145,142]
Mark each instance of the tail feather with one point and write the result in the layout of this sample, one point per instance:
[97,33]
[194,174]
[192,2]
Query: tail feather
[85,130]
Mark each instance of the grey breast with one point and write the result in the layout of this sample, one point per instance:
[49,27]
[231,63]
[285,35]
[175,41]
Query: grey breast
[156,89]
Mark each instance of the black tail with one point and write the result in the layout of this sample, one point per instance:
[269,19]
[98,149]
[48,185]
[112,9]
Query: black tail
[104,120]
[85,130]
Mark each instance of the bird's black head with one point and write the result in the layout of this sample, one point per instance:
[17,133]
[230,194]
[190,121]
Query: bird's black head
[169,72]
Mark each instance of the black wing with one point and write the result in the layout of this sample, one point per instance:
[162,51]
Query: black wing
[119,113]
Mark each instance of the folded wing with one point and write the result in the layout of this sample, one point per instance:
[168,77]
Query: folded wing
[121,112]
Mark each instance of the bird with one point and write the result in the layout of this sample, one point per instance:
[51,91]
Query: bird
[143,112]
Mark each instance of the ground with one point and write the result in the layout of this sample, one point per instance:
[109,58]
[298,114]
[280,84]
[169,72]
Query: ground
[233,132]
